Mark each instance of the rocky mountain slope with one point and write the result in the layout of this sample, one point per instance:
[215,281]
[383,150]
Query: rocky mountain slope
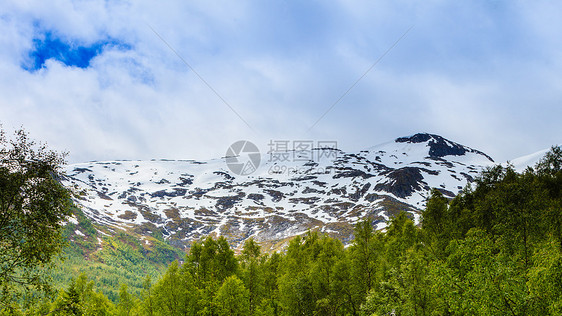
[184,200]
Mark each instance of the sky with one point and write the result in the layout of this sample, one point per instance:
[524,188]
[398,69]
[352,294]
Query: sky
[107,80]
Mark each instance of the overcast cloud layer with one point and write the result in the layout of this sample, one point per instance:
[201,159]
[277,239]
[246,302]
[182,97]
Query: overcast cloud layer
[92,78]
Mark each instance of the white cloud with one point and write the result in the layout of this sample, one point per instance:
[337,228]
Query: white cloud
[472,72]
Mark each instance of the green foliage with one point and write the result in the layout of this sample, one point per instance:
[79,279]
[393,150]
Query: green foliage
[484,280]
[125,258]
[174,294]
[314,277]
[32,206]
[437,223]
[251,273]
[545,280]
[126,304]
[551,163]
[80,299]
[232,298]
[80,246]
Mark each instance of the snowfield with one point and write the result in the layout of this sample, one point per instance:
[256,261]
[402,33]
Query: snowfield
[186,199]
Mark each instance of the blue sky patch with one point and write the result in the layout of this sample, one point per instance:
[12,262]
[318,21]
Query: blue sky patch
[69,53]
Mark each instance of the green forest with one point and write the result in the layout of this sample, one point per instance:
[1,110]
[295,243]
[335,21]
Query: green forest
[495,249]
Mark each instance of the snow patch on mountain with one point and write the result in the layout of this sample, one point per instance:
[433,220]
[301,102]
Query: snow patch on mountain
[521,163]
[187,199]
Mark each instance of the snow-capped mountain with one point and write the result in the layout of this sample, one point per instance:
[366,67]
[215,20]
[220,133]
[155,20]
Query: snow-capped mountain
[185,199]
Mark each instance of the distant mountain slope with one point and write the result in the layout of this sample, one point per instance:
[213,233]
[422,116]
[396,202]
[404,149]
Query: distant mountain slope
[185,200]
[521,163]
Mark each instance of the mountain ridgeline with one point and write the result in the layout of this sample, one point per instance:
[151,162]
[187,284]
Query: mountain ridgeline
[186,200]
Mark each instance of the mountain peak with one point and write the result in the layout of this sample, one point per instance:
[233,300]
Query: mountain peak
[417,138]
[439,146]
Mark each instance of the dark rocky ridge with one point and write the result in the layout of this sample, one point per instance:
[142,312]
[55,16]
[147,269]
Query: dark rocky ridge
[440,147]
